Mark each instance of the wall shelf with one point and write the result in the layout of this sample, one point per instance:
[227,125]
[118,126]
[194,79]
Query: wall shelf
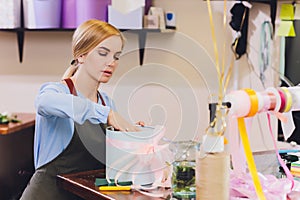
[21,36]
[142,35]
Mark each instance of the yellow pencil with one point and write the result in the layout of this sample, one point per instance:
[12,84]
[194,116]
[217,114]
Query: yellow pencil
[115,188]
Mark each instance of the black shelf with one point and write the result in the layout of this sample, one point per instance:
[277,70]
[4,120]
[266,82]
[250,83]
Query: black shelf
[142,35]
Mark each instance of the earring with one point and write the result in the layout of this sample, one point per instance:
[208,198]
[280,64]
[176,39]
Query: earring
[74,62]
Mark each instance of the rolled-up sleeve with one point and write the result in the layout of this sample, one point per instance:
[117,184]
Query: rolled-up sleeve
[53,100]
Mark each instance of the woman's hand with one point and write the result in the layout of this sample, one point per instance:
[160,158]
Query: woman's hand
[119,123]
[140,123]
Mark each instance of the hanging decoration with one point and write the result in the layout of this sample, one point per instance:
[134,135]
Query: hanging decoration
[265,49]
[239,23]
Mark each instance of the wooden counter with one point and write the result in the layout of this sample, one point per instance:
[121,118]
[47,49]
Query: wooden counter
[16,155]
[83,185]
[27,120]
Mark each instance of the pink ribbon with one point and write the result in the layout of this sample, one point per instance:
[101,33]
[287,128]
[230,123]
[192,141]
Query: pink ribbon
[283,165]
[158,133]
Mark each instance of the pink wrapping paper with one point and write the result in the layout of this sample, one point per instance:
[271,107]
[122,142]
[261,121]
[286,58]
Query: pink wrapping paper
[241,187]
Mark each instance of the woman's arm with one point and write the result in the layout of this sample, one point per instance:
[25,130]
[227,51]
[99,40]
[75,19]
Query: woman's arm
[119,123]
[54,101]
[116,120]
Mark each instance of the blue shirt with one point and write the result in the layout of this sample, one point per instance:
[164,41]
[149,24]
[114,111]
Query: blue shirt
[57,110]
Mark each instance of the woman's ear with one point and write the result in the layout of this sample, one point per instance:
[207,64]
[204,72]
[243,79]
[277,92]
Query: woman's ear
[81,59]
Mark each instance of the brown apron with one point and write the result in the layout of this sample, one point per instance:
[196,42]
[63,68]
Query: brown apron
[75,158]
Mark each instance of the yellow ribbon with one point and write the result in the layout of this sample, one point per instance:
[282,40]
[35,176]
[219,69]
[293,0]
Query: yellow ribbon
[250,159]
[289,99]
[220,75]
[253,102]
[247,149]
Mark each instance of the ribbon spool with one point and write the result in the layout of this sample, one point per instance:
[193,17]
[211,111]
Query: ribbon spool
[276,94]
[295,93]
[250,106]
[272,101]
[212,176]
[282,99]
[236,109]
[278,100]
[262,102]
[253,102]
[266,101]
[289,99]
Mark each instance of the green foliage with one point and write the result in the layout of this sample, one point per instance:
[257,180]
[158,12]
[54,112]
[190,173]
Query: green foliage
[5,119]
[183,178]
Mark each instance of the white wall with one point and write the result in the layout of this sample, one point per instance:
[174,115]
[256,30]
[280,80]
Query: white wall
[173,86]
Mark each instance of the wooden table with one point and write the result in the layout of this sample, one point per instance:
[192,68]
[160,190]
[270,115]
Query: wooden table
[27,120]
[82,184]
[16,155]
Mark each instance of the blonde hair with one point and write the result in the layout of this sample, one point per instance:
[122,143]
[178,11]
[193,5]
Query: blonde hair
[90,33]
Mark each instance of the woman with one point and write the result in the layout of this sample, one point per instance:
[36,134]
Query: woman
[70,112]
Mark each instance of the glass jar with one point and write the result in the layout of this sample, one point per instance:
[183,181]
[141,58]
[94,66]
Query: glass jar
[184,166]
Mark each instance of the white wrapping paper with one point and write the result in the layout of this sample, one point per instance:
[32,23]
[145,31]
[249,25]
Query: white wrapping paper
[136,156]
[10,11]
[126,6]
[130,20]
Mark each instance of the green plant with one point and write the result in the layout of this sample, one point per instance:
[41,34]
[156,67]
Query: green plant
[5,119]
[183,178]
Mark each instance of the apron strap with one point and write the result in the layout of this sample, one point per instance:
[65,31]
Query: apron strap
[102,100]
[73,90]
[71,86]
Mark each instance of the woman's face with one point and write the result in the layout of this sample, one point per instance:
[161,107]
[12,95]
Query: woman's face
[101,62]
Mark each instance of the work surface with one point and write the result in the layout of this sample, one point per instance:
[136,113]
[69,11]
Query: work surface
[82,184]
[27,120]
